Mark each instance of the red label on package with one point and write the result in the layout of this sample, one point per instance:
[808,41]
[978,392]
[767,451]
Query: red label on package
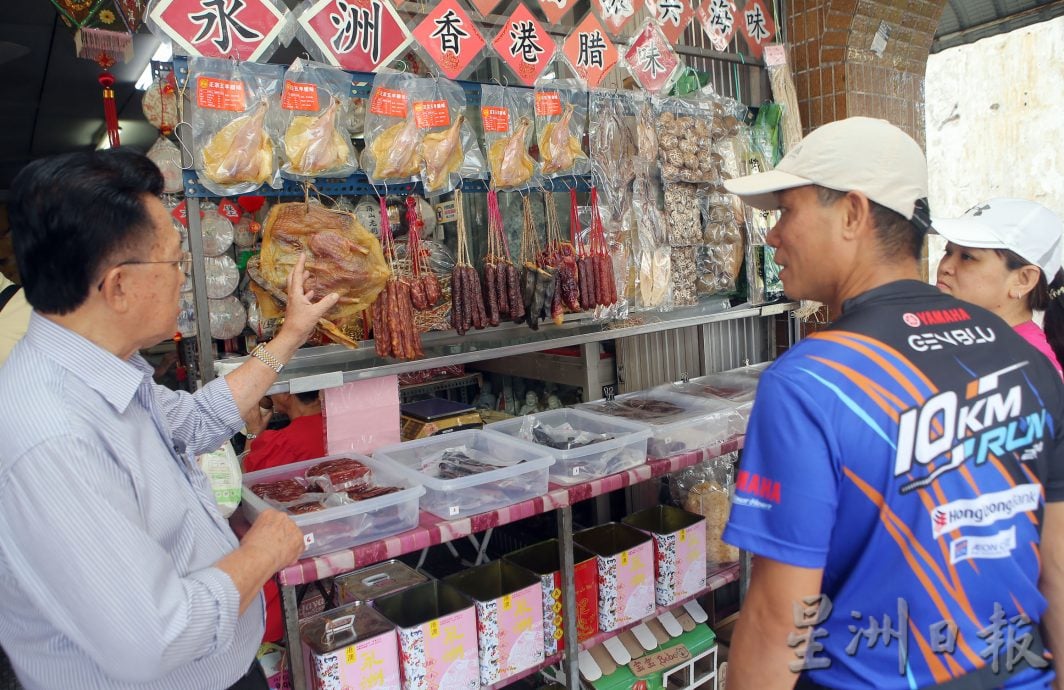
[430,114]
[220,94]
[180,213]
[495,119]
[227,209]
[388,102]
[548,103]
[299,96]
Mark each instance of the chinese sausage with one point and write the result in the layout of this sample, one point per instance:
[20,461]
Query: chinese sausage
[241,151]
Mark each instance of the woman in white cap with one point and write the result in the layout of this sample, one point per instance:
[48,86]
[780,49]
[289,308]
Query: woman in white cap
[1005,255]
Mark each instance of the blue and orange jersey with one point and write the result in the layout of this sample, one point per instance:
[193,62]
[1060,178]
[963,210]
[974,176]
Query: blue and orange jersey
[909,451]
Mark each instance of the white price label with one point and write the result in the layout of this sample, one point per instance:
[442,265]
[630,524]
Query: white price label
[308,539]
[453,510]
[575,471]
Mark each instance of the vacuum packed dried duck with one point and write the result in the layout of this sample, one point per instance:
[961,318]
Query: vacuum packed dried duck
[342,257]
[396,151]
[442,154]
[241,151]
[511,166]
[314,143]
[558,147]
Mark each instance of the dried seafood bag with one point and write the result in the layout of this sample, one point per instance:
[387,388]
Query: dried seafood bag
[612,139]
[449,151]
[684,129]
[393,140]
[394,332]
[650,256]
[314,105]
[508,117]
[235,122]
[561,120]
[341,256]
[706,489]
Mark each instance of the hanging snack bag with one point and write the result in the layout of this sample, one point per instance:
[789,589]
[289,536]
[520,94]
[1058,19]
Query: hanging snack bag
[561,120]
[685,139]
[449,148]
[314,103]
[235,121]
[393,140]
[508,117]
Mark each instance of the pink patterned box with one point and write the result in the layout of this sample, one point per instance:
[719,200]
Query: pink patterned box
[625,558]
[352,646]
[509,605]
[679,551]
[437,628]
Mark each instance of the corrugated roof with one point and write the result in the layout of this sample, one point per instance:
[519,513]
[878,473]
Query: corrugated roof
[966,21]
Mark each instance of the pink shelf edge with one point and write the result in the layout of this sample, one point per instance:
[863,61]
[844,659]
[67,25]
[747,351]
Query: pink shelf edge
[432,530]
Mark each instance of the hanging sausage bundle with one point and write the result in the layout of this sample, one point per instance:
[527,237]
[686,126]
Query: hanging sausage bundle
[467,298]
[501,278]
[537,281]
[394,334]
[598,267]
[561,257]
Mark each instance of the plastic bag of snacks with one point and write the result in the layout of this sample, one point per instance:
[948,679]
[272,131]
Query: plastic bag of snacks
[706,489]
[235,120]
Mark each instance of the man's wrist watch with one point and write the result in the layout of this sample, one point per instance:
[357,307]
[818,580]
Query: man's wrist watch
[266,357]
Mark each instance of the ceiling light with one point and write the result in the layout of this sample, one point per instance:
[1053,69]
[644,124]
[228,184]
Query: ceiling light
[162,54]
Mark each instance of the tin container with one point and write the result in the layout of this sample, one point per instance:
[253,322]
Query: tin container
[437,629]
[352,646]
[509,606]
[679,551]
[625,560]
[543,560]
[377,581]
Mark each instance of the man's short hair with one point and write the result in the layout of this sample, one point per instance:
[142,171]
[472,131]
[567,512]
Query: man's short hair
[896,235]
[70,214]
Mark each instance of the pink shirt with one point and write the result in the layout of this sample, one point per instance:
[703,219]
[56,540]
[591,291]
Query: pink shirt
[1033,334]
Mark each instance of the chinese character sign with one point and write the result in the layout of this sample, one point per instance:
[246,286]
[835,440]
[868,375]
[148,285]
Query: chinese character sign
[757,26]
[524,45]
[241,29]
[616,13]
[590,51]
[674,16]
[554,10]
[485,7]
[651,59]
[717,18]
[450,38]
[356,35]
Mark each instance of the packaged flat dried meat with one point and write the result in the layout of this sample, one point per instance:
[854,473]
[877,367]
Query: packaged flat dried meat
[393,140]
[235,120]
[450,151]
[281,491]
[340,474]
[314,105]
[508,119]
[561,120]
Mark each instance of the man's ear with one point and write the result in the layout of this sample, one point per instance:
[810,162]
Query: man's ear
[856,210]
[114,289]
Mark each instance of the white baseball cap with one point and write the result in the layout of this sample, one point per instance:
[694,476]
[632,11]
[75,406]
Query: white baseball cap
[1025,227]
[857,154]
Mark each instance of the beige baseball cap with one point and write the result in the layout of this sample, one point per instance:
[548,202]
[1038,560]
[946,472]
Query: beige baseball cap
[1025,227]
[859,154]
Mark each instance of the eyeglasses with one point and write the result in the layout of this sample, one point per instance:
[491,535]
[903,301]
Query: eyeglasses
[184,263]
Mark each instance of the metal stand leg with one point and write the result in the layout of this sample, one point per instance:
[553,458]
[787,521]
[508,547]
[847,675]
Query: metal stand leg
[570,665]
[291,634]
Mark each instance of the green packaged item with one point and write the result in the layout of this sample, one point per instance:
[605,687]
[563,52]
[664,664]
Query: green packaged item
[696,669]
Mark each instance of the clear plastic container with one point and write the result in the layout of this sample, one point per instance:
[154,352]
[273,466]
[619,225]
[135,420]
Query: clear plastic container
[625,450]
[679,423]
[344,526]
[522,472]
[737,386]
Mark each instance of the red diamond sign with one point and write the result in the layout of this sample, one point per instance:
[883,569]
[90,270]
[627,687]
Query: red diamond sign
[524,45]
[616,13]
[449,37]
[590,52]
[554,10]
[673,15]
[717,18]
[651,59]
[485,6]
[757,26]
[240,29]
[356,35]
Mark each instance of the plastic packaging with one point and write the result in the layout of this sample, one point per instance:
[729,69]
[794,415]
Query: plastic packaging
[721,255]
[449,151]
[584,445]
[508,117]
[613,146]
[314,106]
[393,140]
[223,472]
[521,472]
[235,120]
[217,235]
[167,157]
[650,263]
[227,317]
[685,139]
[705,489]
[222,276]
[561,121]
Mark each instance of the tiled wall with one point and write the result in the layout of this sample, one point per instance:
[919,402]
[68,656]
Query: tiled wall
[838,75]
